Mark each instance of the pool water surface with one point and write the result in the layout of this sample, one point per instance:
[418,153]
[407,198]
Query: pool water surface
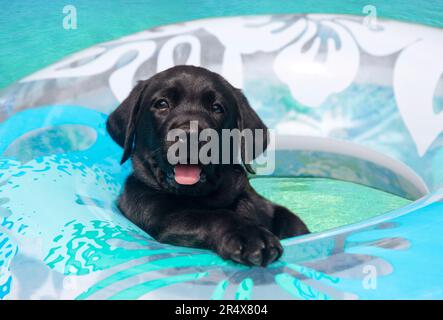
[326,203]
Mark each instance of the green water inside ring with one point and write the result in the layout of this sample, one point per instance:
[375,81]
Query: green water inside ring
[327,203]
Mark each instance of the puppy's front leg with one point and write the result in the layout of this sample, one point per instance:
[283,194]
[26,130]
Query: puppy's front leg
[222,231]
[287,224]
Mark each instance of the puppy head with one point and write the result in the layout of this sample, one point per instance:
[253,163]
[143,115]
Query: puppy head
[171,100]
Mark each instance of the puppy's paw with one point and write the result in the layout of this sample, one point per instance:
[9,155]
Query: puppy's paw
[250,245]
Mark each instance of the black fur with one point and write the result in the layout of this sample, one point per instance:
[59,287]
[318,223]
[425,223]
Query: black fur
[223,213]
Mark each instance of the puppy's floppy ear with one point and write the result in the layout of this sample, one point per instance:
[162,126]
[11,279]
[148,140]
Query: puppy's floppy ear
[248,119]
[121,122]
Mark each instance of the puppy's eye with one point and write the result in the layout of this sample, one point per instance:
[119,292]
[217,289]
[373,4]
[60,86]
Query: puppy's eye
[217,108]
[161,104]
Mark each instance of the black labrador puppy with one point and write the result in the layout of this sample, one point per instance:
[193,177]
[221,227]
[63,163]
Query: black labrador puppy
[210,206]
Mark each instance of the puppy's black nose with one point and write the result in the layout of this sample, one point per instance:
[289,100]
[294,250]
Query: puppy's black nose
[191,129]
[191,126]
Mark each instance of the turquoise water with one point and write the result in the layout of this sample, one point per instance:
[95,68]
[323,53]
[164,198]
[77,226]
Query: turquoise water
[32,35]
[326,203]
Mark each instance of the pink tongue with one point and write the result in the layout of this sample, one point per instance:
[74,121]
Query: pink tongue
[187,174]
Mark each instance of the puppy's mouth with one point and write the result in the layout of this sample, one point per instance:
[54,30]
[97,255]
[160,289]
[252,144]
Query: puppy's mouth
[187,174]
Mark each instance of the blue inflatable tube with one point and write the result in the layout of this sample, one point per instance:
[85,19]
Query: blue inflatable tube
[347,101]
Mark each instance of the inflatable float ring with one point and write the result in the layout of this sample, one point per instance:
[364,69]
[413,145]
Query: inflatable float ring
[364,109]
